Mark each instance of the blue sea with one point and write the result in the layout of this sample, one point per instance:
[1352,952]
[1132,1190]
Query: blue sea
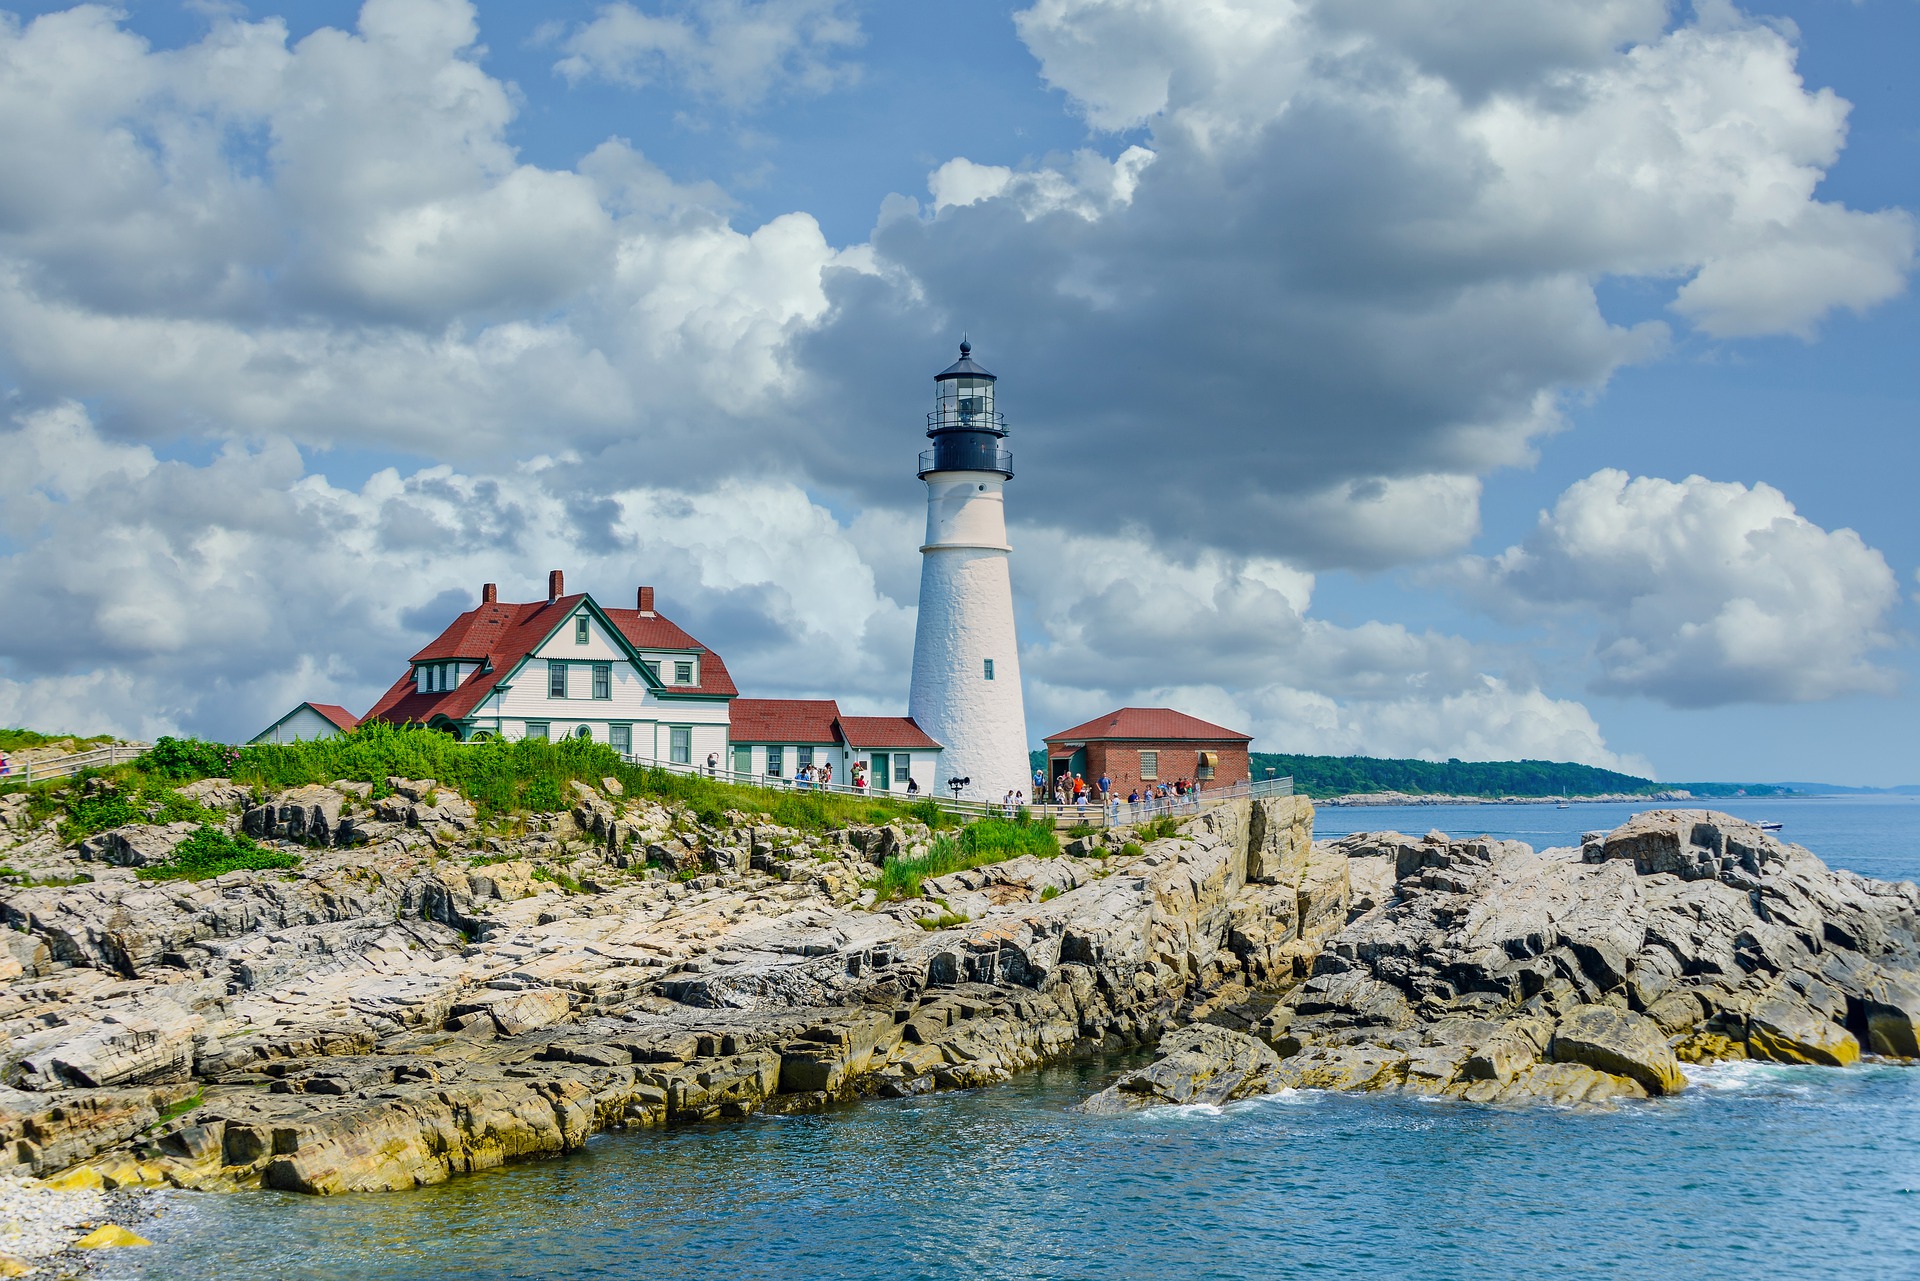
[1756,1171]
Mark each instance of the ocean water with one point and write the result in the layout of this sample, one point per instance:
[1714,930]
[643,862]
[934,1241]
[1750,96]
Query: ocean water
[1757,1171]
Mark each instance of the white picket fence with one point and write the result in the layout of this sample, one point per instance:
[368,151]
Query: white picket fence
[68,766]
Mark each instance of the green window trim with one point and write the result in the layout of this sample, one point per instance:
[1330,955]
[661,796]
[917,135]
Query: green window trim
[556,678]
[603,680]
[581,632]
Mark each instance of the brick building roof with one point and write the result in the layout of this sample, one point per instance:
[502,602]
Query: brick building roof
[1149,724]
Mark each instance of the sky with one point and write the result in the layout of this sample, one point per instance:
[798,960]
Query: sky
[1440,378]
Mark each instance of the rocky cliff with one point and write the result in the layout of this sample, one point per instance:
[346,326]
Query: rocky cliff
[425,995]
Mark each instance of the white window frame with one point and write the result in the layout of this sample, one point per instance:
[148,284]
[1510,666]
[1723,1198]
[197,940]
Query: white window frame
[1150,765]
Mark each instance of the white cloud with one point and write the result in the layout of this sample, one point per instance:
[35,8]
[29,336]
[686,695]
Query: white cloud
[1703,592]
[1359,272]
[738,52]
[152,596]
[334,241]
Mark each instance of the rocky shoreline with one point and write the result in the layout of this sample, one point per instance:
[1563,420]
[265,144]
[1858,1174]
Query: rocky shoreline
[427,996]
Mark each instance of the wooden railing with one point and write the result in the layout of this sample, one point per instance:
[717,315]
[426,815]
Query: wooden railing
[68,766]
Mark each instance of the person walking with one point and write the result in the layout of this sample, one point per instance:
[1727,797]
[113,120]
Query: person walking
[1006,805]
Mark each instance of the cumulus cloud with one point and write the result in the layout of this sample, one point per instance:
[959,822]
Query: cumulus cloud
[1112,621]
[737,52]
[1703,592]
[332,240]
[1350,270]
[153,596]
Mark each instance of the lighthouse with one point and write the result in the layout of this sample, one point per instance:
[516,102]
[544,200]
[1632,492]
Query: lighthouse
[966,664]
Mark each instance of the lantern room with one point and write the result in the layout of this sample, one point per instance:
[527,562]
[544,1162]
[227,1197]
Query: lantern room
[965,427]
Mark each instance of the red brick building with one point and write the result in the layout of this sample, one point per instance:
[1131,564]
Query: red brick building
[1137,745]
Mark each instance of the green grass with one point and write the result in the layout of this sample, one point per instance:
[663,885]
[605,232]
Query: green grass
[989,840]
[1050,893]
[17,740]
[1132,849]
[211,852]
[183,1107]
[1160,828]
[531,775]
[150,801]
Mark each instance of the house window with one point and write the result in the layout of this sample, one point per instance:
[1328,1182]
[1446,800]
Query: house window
[1149,766]
[620,738]
[683,673]
[802,757]
[653,666]
[1204,769]
[585,731]
[603,680]
[446,676]
[989,669]
[680,745]
[538,729]
[556,679]
[580,630]
[775,761]
[902,768]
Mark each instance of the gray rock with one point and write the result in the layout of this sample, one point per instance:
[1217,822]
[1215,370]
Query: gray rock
[1198,1064]
[1621,1043]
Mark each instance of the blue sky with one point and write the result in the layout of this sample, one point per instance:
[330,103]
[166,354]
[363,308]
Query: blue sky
[1442,379]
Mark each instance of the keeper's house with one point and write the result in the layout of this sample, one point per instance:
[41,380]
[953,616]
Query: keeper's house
[567,667]
[779,737]
[306,723]
[1136,745]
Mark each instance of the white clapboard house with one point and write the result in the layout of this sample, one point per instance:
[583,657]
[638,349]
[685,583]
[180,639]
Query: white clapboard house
[569,667]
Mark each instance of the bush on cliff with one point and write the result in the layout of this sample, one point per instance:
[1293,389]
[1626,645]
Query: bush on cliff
[212,852]
[989,840]
[531,775]
[185,758]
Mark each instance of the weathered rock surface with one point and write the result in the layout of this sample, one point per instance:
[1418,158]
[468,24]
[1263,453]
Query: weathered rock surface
[1484,969]
[1201,1064]
[427,995]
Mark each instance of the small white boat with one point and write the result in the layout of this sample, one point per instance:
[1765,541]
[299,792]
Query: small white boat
[1771,827]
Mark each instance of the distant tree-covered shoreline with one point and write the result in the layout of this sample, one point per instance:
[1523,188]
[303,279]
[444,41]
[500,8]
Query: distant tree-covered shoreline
[1323,776]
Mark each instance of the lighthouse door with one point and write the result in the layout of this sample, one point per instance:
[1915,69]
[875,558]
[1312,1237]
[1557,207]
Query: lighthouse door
[881,774]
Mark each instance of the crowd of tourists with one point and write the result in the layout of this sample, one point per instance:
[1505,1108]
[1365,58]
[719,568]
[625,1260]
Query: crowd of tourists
[1073,792]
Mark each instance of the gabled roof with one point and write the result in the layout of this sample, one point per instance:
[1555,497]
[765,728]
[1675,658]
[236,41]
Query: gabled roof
[818,720]
[334,712]
[1149,724]
[783,720]
[499,635]
[886,732]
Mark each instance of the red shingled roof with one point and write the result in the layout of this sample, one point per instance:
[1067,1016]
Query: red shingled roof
[337,714]
[886,732]
[1150,724]
[502,634]
[818,720]
[783,720]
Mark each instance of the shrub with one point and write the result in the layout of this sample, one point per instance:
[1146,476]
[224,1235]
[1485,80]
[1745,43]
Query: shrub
[1160,828]
[212,852]
[1132,849]
[185,758]
[1051,892]
[1079,830]
[989,840]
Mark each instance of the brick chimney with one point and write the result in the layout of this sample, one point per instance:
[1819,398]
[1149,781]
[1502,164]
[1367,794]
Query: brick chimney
[489,593]
[556,584]
[646,601]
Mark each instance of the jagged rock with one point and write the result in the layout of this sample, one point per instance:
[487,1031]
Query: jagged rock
[136,844]
[1782,1029]
[1198,1064]
[1618,1042]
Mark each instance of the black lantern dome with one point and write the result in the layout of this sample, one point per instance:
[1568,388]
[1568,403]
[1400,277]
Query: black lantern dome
[966,429]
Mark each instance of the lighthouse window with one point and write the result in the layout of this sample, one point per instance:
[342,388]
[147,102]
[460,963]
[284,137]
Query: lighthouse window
[989,669]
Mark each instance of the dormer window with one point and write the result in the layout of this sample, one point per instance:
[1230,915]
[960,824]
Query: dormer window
[580,630]
[683,672]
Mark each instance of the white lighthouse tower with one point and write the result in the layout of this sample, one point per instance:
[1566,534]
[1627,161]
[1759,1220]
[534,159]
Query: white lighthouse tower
[966,664]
